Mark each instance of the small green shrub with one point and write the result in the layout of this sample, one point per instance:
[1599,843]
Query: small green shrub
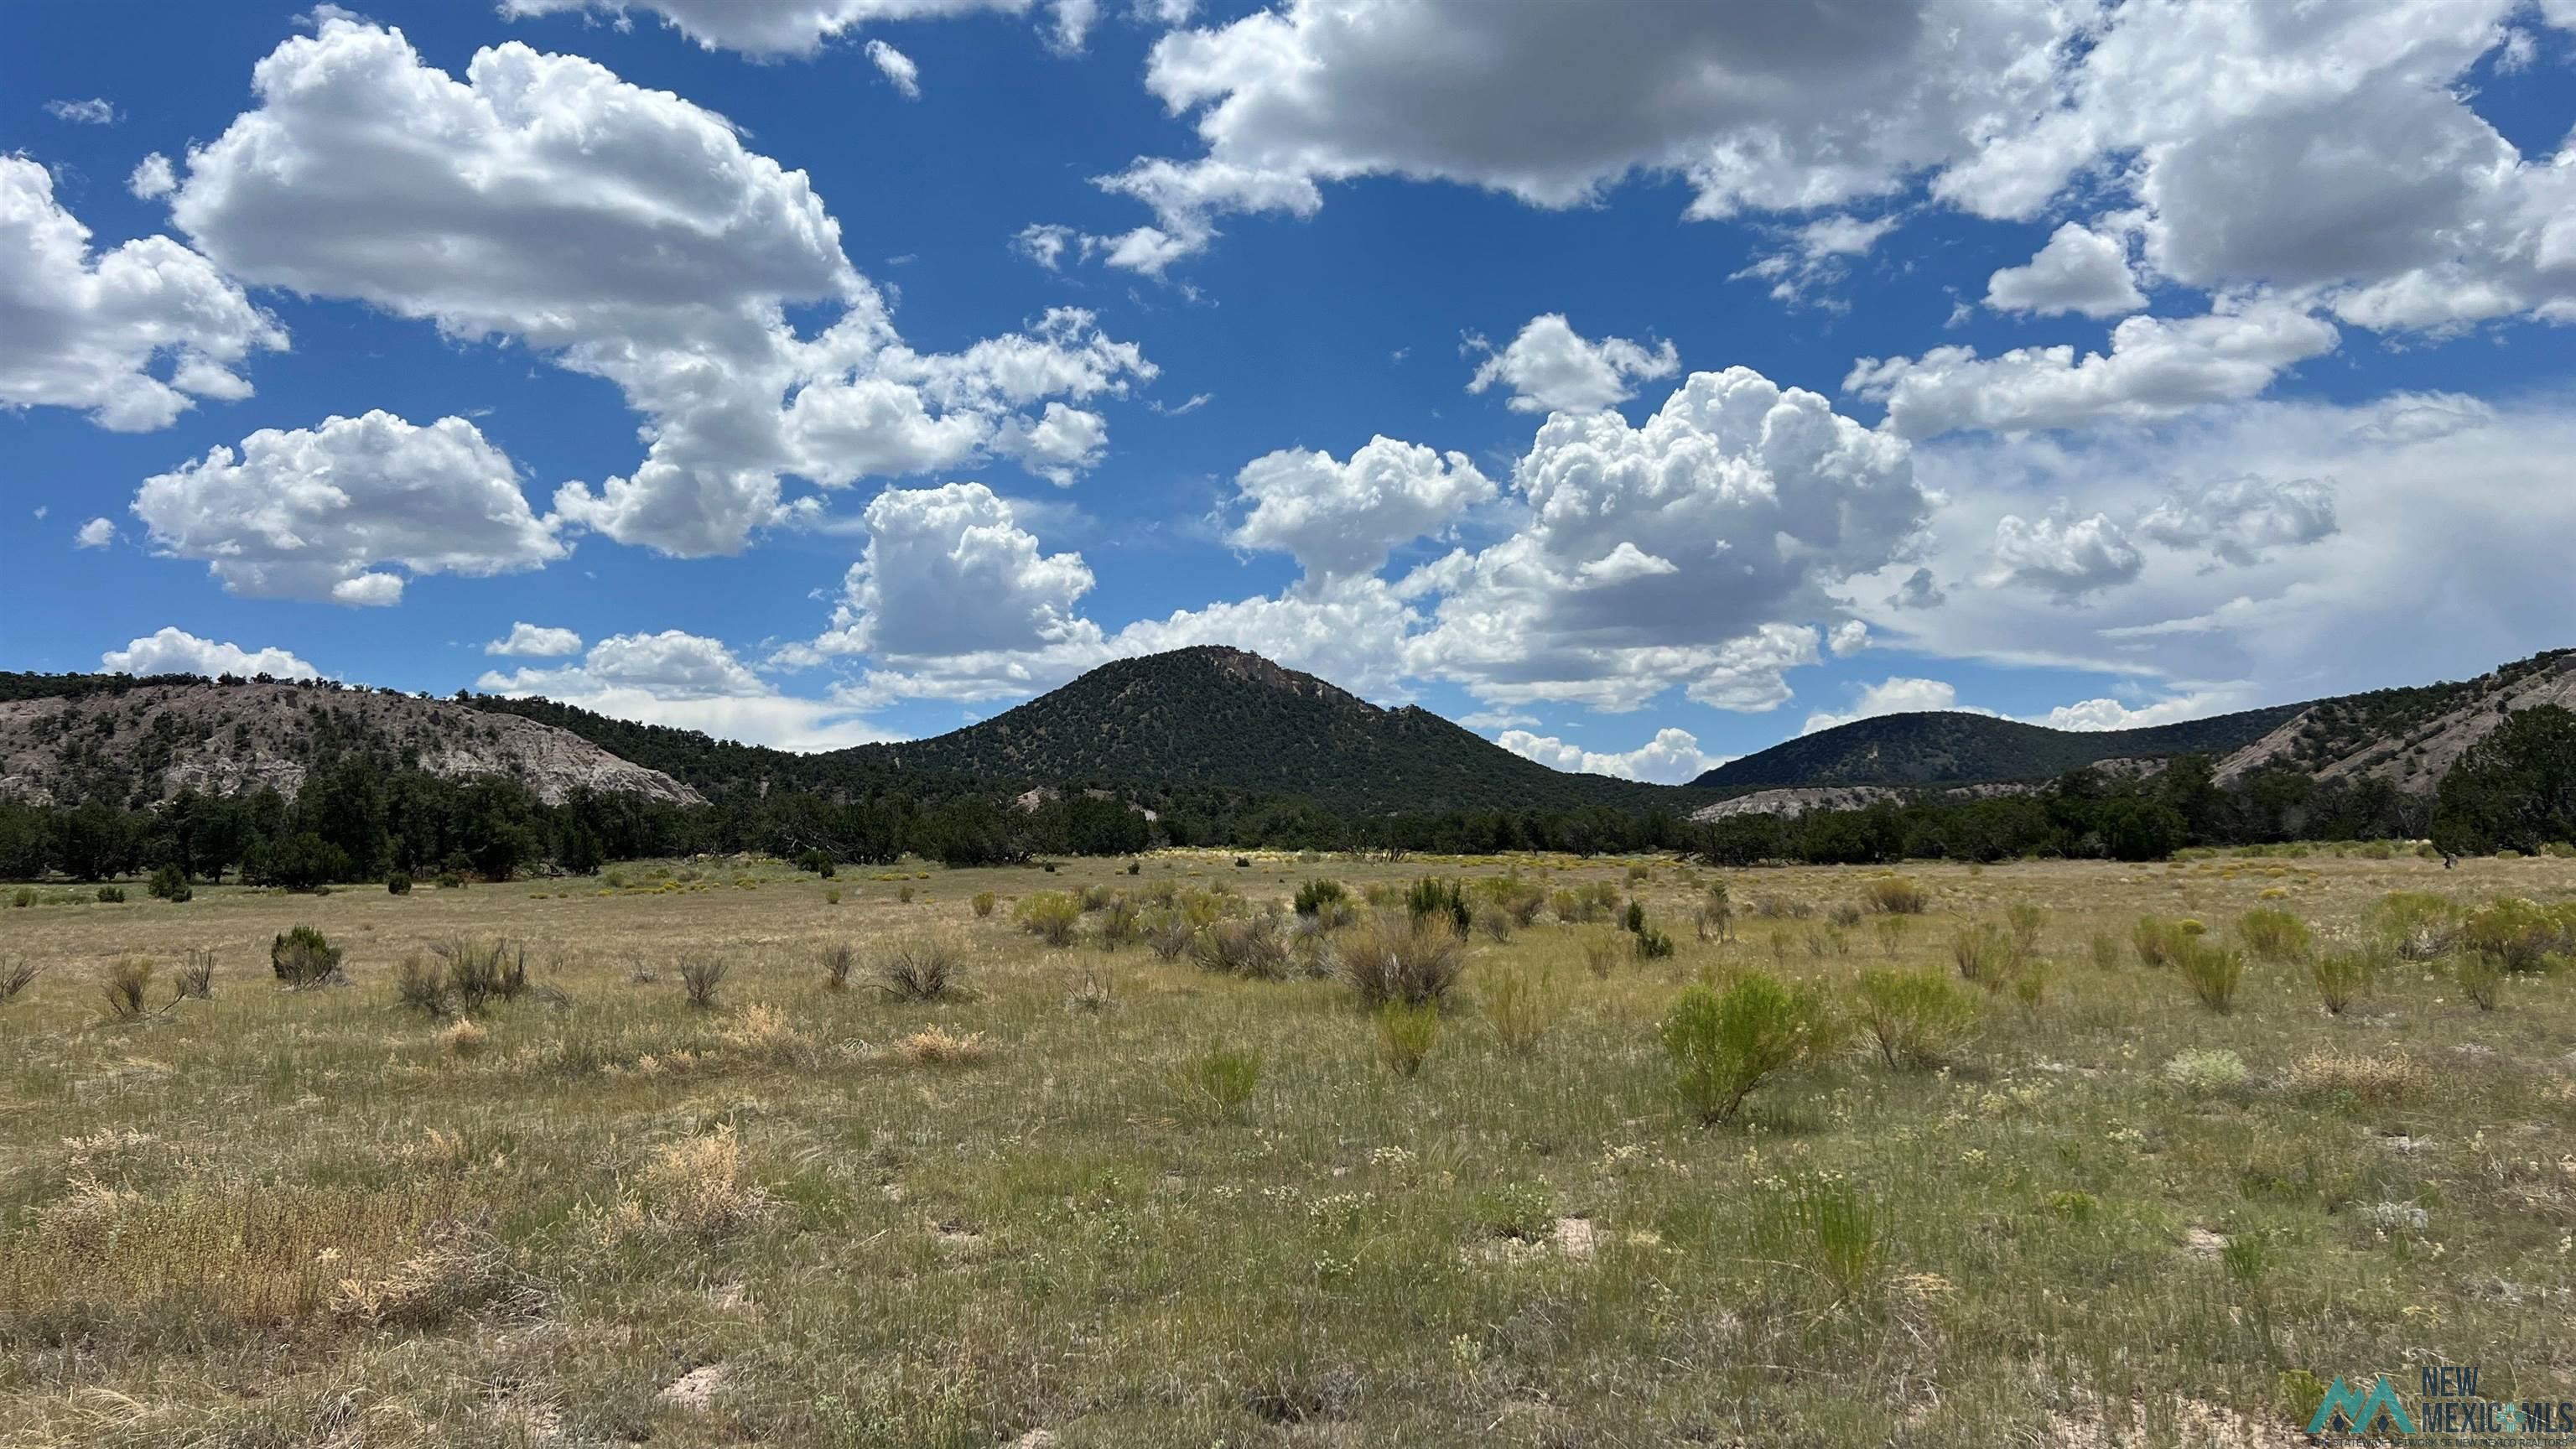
[303,957]
[398,883]
[1406,1034]
[831,895]
[1431,897]
[2206,1071]
[1653,944]
[2342,975]
[170,883]
[2520,934]
[1723,1047]
[421,984]
[1120,924]
[2212,972]
[2154,940]
[1634,918]
[1983,953]
[983,904]
[2480,974]
[1522,1004]
[2027,923]
[2274,935]
[1916,1018]
[1522,1210]
[1051,916]
[2104,948]
[1315,895]
[109,895]
[482,972]
[1407,961]
[1896,896]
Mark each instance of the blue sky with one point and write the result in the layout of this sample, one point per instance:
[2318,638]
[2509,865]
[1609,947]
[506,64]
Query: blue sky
[940,349]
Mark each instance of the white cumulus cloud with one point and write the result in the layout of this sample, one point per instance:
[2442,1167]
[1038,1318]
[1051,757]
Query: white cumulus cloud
[2080,270]
[132,335]
[2156,368]
[176,651]
[1897,695]
[896,67]
[535,641]
[152,178]
[1550,367]
[802,27]
[1340,519]
[1672,757]
[626,234]
[97,533]
[688,681]
[321,512]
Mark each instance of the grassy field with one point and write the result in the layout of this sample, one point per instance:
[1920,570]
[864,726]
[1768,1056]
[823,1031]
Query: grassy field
[1113,1200]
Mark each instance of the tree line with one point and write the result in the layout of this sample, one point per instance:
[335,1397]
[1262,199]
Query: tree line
[362,817]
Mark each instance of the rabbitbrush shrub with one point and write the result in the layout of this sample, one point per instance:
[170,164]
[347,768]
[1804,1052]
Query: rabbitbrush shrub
[1916,1018]
[1051,916]
[2273,935]
[1895,896]
[1725,1046]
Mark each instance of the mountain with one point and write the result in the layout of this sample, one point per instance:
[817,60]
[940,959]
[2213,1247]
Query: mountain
[2409,735]
[139,741]
[1224,718]
[1952,748]
[1204,718]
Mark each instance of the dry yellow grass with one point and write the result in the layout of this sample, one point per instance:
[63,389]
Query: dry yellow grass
[275,1218]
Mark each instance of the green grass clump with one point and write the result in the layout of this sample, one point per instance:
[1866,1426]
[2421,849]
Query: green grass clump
[1406,1033]
[1220,1079]
[1521,1003]
[1828,1227]
[2343,974]
[2212,972]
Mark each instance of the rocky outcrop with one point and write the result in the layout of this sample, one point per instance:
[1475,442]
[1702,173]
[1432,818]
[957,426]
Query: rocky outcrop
[2417,752]
[153,741]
